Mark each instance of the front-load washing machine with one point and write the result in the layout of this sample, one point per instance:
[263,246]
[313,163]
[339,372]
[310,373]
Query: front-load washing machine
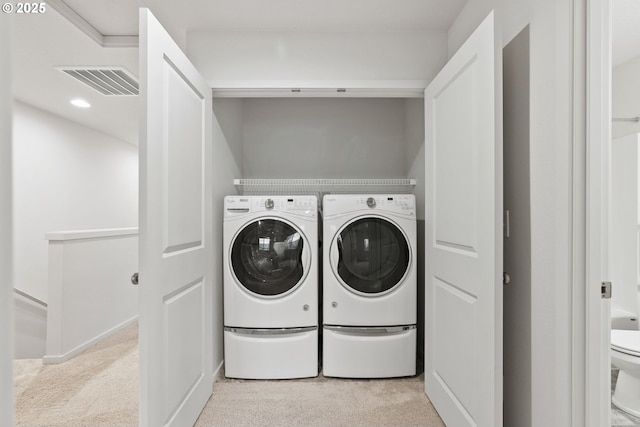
[369,286]
[270,287]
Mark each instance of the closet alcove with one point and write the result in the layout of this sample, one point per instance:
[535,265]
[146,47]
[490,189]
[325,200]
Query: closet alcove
[329,142]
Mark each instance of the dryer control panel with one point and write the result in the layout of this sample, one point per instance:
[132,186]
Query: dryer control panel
[382,201]
[237,205]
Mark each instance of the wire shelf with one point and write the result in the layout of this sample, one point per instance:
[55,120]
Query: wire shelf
[319,186]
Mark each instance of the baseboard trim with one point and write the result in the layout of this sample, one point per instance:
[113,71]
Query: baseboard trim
[53,359]
[218,372]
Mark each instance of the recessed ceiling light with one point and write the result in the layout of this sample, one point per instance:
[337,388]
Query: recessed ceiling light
[80,103]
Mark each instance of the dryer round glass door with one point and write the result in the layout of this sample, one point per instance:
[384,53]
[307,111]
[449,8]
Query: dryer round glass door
[373,256]
[266,257]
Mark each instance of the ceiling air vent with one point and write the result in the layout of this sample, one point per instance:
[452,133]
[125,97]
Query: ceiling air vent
[107,81]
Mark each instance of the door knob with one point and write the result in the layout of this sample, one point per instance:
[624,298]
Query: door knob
[506,279]
[134,279]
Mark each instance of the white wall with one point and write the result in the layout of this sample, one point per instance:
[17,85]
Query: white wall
[550,23]
[66,177]
[415,157]
[6,289]
[623,231]
[625,97]
[225,169]
[415,162]
[91,295]
[235,59]
[229,112]
[324,138]
[90,292]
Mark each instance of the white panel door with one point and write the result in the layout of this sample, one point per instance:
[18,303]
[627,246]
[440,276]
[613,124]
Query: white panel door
[463,307]
[176,298]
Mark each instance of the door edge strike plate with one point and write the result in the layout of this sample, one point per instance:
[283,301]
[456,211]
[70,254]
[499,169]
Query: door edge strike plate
[605,290]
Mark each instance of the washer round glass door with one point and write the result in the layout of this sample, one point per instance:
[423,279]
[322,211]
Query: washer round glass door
[266,257]
[373,255]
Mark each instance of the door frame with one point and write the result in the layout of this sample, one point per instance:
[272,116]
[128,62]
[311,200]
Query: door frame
[6,230]
[596,161]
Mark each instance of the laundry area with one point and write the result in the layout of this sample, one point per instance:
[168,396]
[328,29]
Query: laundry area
[332,207]
[293,244]
[321,248]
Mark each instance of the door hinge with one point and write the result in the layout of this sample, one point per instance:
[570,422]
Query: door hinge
[605,290]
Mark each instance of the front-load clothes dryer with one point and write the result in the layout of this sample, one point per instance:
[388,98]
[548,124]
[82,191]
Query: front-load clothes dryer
[270,287]
[369,286]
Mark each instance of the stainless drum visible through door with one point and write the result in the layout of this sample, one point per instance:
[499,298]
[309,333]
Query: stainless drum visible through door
[373,256]
[266,257]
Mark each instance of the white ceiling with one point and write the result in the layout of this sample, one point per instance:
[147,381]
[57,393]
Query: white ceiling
[120,17]
[43,42]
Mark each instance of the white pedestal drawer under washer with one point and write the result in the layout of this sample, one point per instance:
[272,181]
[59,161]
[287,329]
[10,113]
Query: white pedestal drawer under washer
[369,285]
[270,286]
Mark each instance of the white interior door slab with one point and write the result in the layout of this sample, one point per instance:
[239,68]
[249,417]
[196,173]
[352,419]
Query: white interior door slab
[175,232]
[463,307]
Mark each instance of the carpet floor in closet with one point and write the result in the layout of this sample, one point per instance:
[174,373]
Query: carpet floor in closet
[100,388]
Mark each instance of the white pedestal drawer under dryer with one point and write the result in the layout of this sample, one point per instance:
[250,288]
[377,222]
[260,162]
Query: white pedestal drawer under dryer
[369,286]
[270,287]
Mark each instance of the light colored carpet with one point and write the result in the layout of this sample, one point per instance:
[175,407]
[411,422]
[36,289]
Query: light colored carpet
[320,402]
[99,388]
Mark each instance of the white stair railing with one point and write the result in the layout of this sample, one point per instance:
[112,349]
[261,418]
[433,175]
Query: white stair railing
[30,297]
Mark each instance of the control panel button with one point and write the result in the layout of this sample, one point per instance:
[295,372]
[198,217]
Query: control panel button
[269,204]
